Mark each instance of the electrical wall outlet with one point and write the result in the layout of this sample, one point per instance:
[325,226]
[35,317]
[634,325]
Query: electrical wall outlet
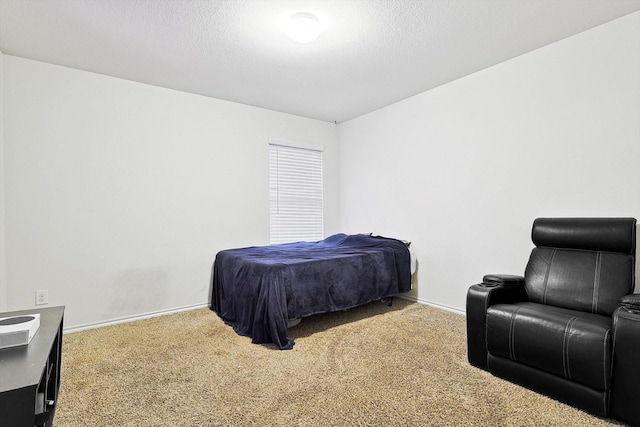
[42,297]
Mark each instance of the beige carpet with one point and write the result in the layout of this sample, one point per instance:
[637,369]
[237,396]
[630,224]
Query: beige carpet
[371,366]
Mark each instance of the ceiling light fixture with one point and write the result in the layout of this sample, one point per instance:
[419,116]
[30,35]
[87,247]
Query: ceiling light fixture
[303,27]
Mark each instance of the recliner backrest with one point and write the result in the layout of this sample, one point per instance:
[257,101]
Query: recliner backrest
[583,264]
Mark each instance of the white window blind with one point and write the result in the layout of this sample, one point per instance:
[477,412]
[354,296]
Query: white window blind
[295,193]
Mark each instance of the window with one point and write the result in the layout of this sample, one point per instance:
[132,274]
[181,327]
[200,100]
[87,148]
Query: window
[295,192]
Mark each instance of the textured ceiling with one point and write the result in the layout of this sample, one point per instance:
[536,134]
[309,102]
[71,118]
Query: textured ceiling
[370,54]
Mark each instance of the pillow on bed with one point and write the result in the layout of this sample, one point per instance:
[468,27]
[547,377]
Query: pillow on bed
[406,242]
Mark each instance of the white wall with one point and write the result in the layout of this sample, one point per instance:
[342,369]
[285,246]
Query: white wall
[119,194]
[3,263]
[463,170]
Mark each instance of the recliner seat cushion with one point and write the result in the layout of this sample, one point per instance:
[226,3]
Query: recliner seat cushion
[581,280]
[567,343]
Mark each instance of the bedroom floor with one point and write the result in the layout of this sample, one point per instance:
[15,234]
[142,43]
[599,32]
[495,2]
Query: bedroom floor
[372,365]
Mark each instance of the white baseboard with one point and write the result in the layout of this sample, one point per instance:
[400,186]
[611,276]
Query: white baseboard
[434,304]
[133,318]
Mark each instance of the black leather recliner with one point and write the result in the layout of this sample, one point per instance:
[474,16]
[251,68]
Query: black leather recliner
[570,328]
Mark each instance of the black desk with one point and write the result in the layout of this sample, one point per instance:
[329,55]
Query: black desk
[30,375]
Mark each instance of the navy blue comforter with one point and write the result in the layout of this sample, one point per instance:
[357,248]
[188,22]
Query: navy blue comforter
[257,289]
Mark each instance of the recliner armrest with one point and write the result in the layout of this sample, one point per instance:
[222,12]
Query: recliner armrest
[479,298]
[631,303]
[502,280]
[624,364]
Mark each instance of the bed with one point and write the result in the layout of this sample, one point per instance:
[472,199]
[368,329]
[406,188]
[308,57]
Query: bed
[258,290]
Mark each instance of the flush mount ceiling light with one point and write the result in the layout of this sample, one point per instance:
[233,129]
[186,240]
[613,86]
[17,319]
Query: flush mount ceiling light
[303,27]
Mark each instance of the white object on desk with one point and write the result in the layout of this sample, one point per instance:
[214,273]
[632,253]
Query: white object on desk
[18,330]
